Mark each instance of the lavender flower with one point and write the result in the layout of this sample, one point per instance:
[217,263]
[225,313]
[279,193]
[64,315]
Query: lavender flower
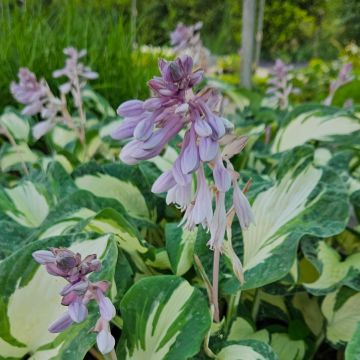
[79,292]
[186,40]
[343,78]
[153,123]
[280,84]
[75,71]
[39,99]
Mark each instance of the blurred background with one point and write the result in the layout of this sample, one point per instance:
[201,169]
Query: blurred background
[34,32]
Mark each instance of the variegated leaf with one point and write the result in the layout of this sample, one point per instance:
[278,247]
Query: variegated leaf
[308,123]
[180,247]
[172,323]
[30,301]
[16,124]
[246,350]
[341,310]
[334,271]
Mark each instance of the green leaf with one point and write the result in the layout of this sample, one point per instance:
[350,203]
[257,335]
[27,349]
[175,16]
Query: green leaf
[334,271]
[120,182]
[12,156]
[303,200]
[25,204]
[180,247]
[30,301]
[352,351]
[341,310]
[16,124]
[307,123]
[99,103]
[172,321]
[241,329]
[287,349]
[246,350]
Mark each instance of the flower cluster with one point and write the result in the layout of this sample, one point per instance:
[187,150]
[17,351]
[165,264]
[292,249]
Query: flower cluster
[343,78]
[153,123]
[39,99]
[76,72]
[79,292]
[186,40]
[280,86]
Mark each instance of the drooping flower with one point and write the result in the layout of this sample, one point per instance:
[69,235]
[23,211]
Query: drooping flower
[173,108]
[79,292]
[343,78]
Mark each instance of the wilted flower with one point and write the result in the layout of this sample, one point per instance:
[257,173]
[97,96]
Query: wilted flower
[343,78]
[280,84]
[79,292]
[153,123]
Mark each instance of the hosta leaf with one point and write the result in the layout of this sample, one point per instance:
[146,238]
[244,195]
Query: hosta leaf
[246,350]
[286,348]
[310,310]
[352,351]
[25,204]
[100,103]
[120,182]
[16,124]
[304,200]
[314,123]
[180,247]
[12,156]
[172,323]
[334,271]
[30,301]
[341,310]
[241,329]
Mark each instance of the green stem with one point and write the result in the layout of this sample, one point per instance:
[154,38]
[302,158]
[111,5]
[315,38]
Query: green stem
[215,284]
[232,308]
[256,305]
[110,356]
[118,321]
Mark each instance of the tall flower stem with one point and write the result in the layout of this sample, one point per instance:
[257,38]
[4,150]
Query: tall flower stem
[215,284]
[13,143]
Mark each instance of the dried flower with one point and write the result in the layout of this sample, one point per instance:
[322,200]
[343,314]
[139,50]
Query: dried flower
[79,292]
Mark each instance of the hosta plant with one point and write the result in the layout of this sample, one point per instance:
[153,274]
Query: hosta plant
[212,237]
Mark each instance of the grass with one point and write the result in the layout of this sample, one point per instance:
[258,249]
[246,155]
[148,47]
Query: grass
[36,33]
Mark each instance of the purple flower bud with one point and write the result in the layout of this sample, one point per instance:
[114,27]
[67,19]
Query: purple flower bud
[164,182]
[66,259]
[79,288]
[107,309]
[144,129]
[78,311]
[242,208]
[105,341]
[43,256]
[202,128]
[131,108]
[221,176]
[61,324]
[179,176]
[190,159]
[152,104]
[208,149]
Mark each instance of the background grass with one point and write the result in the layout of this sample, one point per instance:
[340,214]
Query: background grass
[35,35]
